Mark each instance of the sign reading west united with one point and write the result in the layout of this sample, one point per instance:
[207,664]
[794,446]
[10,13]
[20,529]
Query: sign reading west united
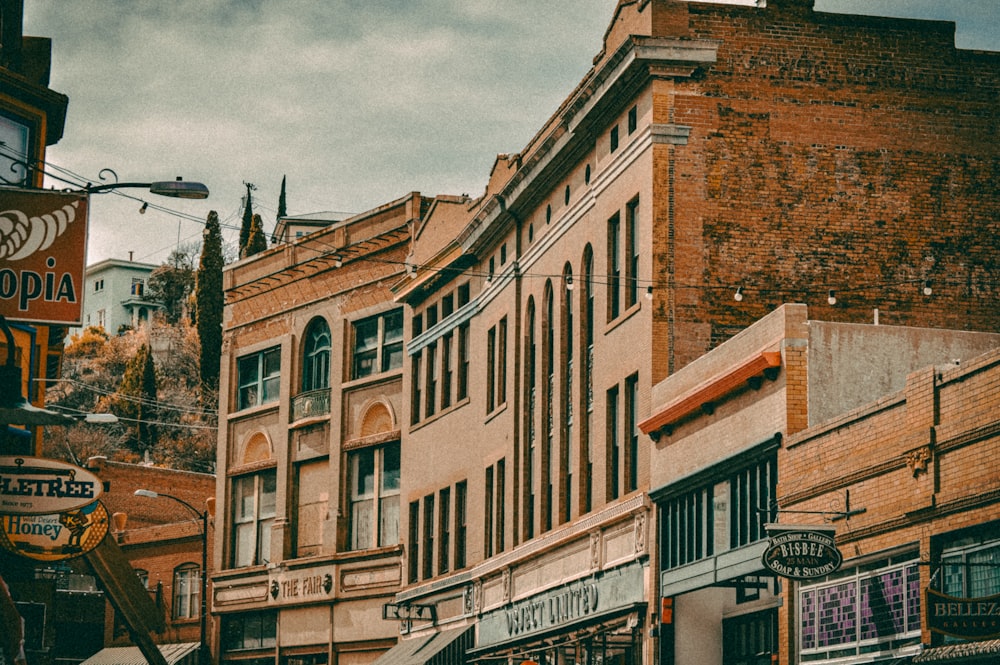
[55,537]
[965,618]
[39,486]
[801,553]
[43,248]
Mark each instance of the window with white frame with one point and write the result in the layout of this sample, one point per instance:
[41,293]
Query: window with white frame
[259,378]
[378,344]
[254,508]
[374,496]
[187,591]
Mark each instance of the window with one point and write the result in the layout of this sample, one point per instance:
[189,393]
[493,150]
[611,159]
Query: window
[446,370]
[566,347]
[250,630]
[431,396]
[971,570]
[632,433]
[316,356]
[312,505]
[530,415]
[613,465]
[587,380]
[16,139]
[444,520]
[415,391]
[413,562]
[417,324]
[686,528]
[633,119]
[503,254]
[614,138]
[187,591]
[259,378]
[632,252]
[491,368]
[462,389]
[502,361]
[860,613]
[461,492]
[428,536]
[374,496]
[750,489]
[566,195]
[432,315]
[253,514]
[750,638]
[488,515]
[586,175]
[550,459]
[447,305]
[500,487]
[463,294]
[138,287]
[614,267]
[98,285]
[378,344]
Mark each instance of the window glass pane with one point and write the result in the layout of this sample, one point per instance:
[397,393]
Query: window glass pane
[390,468]
[268,493]
[364,473]
[388,520]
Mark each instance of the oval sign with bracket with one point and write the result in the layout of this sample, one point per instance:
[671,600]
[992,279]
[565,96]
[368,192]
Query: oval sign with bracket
[39,486]
[802,554]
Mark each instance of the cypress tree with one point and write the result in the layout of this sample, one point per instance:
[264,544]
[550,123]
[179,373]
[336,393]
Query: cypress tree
[256,243]
[282,208]
[247,219]
[209,304]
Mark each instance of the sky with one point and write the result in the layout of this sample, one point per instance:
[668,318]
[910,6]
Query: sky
[355,103]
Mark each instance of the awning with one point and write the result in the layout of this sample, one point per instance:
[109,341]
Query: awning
[183,653]
[447,647]
[967,653]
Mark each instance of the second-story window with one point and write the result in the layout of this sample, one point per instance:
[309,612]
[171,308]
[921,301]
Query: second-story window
[254,504]
[378,344]
[316,356]
[259,378]
[187,591]
[374,487]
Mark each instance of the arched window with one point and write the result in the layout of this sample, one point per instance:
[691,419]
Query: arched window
[550,461]
[586,400]
[566,461]
[187,591]
[530,422]
[316,356]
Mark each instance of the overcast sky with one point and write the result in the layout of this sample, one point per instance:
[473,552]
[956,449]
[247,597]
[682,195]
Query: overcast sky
[357,103]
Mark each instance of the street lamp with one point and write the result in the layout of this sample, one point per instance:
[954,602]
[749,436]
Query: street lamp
[204,657]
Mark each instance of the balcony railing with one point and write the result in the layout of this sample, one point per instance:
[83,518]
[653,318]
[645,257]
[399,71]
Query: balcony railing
[311,404]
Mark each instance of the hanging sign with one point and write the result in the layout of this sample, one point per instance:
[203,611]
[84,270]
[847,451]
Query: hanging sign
[801,553]
[39,486]
[43,250]
[55,537]
[965,618]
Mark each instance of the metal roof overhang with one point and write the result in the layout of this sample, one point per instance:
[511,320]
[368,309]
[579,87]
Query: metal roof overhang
[183,653]
[441,648]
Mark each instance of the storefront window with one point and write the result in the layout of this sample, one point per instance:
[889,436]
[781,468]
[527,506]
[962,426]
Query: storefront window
[253,630]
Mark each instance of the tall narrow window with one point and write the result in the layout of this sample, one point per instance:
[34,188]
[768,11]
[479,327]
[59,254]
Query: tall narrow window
[587,382]
[431,397]
[566,399]
[461,492]
[374,496]
[549,458]
[187,591]
[632,433]
[444,522]
[500,482]
[632,252]
[254,503]
[614,267]
[428,536]
[415,391]
[488,514]
[316,356]
[530,421]
[446,370]
[613,464]
[413,559]
[491,368]
[462,389]
[613,142]
[502,361]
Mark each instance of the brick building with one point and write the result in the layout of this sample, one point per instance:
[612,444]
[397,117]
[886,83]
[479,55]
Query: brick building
[716,162]
[728,434]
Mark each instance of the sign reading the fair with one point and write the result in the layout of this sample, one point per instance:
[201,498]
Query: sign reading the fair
[39,486]
[55,537]
[43,251]
[801,552]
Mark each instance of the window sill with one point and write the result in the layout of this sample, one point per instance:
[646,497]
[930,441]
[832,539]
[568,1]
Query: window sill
[439,414]
[372,379]
[252,411]
[622,318]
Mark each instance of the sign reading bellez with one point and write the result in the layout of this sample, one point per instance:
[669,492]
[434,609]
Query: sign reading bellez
[39,486]
[966,618]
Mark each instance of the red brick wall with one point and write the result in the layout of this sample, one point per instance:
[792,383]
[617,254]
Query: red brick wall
[830,152]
